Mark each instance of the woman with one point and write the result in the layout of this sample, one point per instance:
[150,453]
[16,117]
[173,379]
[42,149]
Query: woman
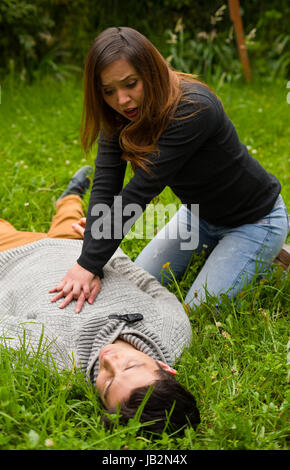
[174,132]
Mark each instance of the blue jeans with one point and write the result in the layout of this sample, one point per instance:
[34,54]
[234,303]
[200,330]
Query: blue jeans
[236,255]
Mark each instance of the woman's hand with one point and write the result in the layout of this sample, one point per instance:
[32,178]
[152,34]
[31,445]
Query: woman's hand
[80,226]
[78,284]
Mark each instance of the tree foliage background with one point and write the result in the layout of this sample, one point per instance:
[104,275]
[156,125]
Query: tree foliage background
[53,36]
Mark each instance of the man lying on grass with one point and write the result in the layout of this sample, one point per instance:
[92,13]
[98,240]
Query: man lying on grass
[127,340]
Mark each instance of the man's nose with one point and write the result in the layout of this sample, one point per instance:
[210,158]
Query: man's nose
[111,362]
[123,97]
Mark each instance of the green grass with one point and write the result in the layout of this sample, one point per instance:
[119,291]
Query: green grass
[237,363]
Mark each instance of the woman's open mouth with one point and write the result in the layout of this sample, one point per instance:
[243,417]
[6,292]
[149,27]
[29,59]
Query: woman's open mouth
[131,113]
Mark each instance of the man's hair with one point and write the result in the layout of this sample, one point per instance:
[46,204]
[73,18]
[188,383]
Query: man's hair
[168,403]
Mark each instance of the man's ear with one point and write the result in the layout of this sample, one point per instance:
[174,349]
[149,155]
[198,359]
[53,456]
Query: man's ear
[167,368]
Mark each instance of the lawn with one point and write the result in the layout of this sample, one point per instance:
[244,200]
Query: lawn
[237,363]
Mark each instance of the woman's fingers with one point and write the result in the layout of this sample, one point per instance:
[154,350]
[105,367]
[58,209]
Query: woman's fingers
[77,291]
[80,302]
[78,284]
[95,289]
[57,297]
[65,290]
[58,288]
[67,300]
[69,286]
[86,290]
[80,297]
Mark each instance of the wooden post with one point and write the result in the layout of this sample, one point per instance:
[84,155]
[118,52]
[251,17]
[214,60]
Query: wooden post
[234,6]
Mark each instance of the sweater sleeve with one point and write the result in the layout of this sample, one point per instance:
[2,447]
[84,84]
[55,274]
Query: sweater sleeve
[121,263]
[193,124]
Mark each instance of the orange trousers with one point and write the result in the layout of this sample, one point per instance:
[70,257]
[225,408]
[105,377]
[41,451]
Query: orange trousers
[68,211]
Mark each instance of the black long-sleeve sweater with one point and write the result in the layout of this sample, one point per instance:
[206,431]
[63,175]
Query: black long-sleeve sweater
[201,159]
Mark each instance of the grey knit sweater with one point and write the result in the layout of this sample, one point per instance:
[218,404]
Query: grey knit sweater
[26,275]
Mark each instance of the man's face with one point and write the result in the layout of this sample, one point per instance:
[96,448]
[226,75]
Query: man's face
[122,368]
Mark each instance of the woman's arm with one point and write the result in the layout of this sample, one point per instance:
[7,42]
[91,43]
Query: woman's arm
[82,282]
[107,183]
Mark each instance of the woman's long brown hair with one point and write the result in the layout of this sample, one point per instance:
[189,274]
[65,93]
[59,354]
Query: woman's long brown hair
[161,94]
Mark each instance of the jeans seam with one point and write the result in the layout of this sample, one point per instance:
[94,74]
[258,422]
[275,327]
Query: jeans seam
[259,250]
[287,218]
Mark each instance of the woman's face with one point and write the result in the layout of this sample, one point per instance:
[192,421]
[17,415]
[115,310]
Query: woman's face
[122,88]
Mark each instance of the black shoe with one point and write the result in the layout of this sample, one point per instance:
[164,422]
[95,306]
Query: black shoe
[79,183]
